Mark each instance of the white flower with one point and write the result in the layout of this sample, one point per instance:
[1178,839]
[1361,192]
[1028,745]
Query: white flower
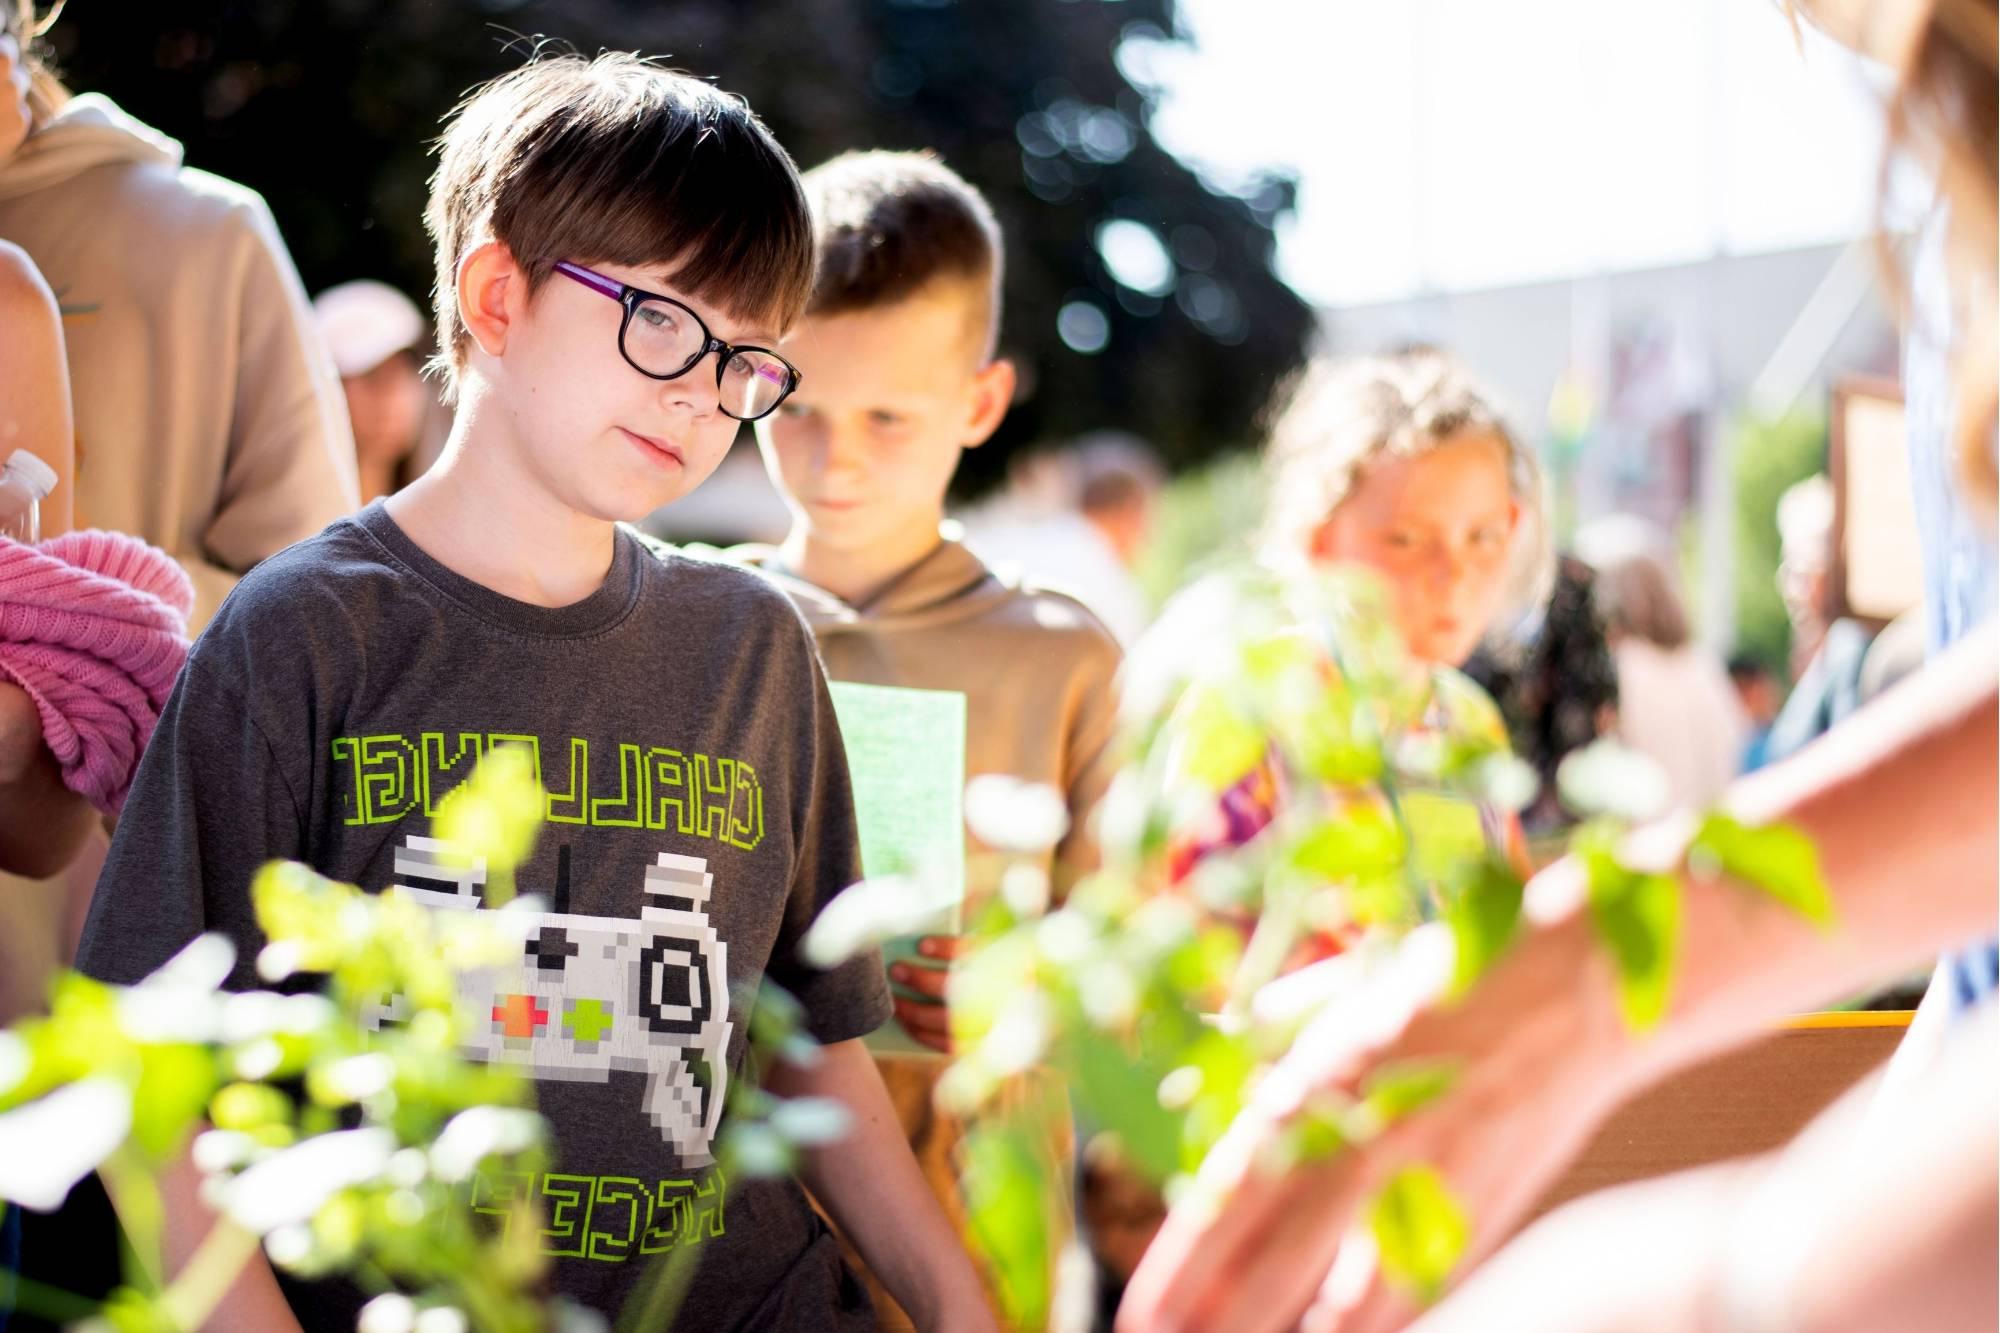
[290,1186]
[1606,778]
[55,1141]
[1010,815]
[481,1132]
[864,915]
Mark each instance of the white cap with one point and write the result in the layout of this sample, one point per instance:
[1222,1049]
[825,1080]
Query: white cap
[37,473]
[365,323]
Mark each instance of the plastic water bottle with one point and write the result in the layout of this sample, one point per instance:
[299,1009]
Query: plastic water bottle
[24,483]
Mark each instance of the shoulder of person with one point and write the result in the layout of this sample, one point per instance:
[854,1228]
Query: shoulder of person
[184,207]
[700,574]
[1055,614]
[312,594]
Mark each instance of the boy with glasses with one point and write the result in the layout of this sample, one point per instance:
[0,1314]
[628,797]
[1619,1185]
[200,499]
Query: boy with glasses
[673,709]
[900,376]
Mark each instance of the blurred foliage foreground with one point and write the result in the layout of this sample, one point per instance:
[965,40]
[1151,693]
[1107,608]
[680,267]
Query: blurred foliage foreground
[344,1145]
[1278,803]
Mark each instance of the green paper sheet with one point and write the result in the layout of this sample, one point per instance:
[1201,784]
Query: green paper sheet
[906,758]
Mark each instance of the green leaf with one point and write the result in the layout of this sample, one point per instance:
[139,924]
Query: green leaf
[1483,912]
[1316,1132]
[1395,1090]
[1123,1092]
[1420,1230]
[1638,918]
[175,1083]
[249,1106]
[495,814]
[1218,745]
[1777,859]
[1360,840]
[1007,1186]
[1446,832]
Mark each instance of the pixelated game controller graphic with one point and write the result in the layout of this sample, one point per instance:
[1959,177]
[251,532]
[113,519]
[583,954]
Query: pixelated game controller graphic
[590,994]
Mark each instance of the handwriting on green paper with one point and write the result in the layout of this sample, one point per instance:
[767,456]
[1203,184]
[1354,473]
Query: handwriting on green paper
[906,757]
[906,754]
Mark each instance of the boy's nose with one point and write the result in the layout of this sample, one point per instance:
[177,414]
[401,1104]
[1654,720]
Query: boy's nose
[695,391]
[844,450]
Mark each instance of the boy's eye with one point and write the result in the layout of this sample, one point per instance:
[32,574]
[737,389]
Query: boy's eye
[657,317]
[792,407]
[883,417]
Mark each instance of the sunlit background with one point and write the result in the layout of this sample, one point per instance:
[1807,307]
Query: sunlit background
[1646,223]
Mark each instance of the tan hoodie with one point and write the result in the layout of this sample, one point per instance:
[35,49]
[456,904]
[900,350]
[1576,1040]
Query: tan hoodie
[1035,666]
[209,419]
[1037,672]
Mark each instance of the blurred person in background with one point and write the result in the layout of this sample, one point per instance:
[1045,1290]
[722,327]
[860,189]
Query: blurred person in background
[207,421]
[1758,690]
[1675,702]
[1078,521]
[1553,676]
[1828,651]
[377,338]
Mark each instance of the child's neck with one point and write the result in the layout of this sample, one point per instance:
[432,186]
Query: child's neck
[856,576]
[478,513]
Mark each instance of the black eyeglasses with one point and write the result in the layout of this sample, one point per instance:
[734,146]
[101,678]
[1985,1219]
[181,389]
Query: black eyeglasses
[663,340]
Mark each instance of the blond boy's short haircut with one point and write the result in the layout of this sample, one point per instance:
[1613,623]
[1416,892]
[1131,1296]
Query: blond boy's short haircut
[616,160]
[890,225]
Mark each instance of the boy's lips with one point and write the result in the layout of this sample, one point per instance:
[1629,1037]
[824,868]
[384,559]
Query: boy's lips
[658,452]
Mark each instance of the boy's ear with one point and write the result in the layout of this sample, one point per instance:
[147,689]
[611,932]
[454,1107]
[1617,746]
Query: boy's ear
[992,395]
[491,292]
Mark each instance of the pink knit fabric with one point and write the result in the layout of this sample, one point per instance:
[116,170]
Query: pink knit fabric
[93,625]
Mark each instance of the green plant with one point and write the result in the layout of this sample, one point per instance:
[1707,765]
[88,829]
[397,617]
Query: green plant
[340,1142]
[1167,981]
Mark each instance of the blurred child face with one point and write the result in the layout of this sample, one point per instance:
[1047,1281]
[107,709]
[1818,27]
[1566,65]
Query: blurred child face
[1438,529]
[387,405]
[598,436]
[865,448]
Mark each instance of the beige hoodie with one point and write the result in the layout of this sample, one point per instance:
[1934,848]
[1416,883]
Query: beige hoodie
[1037,671]
[209,418]
[1035,666]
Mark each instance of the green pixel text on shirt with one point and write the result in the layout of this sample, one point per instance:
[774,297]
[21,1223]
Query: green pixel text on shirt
[388,777]
[606,1218]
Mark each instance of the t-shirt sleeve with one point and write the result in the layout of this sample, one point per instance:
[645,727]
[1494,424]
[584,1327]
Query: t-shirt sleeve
[852,999]
[209,805]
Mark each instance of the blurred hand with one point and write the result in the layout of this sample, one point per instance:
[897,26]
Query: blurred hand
[1540,1054]
[927,1020]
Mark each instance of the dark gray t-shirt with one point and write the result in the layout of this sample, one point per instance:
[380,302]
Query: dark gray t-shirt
[699,817]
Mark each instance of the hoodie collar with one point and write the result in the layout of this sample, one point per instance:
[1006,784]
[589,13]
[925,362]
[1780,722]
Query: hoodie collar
[87,131]
[947,584]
